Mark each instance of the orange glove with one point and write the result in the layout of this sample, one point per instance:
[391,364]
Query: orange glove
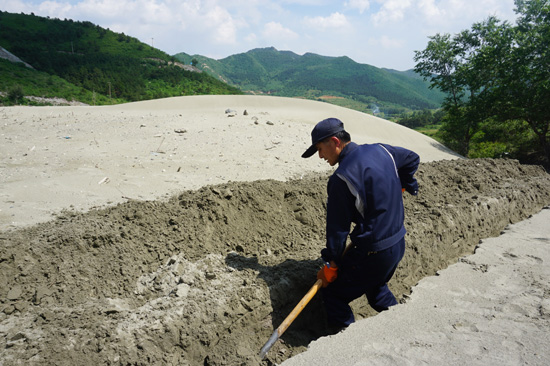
[327,274]
[402,190]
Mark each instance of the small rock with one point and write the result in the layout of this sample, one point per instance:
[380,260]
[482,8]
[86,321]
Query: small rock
[47,315]
[40,293]
[182,290]
[230,112]
[8,310]
[14,293]
[18,337]
[21,306]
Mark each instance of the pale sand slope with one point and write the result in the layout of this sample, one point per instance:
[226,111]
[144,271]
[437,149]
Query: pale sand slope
[53,158]
[491,308]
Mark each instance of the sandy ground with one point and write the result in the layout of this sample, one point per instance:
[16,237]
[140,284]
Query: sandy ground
[52,158]
[167,232]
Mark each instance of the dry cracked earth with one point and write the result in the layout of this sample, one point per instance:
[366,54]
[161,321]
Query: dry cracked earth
[204,277]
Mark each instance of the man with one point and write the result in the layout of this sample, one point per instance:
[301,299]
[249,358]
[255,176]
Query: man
[366,189]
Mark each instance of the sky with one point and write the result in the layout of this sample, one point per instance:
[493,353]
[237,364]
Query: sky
[381,33]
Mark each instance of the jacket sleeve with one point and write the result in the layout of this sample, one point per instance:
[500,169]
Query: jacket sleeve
[407,162]
[340,211]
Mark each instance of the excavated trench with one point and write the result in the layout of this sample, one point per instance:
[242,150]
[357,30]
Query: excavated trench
[205,277]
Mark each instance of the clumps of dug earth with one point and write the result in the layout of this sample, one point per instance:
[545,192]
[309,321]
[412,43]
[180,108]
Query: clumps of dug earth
[205,277]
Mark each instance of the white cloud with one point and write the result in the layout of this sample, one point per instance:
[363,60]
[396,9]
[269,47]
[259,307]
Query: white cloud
[251,38]
[360,5]
[452,16]
[430,10]
[54,8]
[106,9]
[274,30]
[391,11]
[333,21]
[222,25]
[16,6]
[387,42]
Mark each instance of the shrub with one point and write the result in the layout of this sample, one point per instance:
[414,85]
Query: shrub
[15,94]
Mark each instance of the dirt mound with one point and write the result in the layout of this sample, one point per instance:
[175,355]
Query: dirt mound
[205,277]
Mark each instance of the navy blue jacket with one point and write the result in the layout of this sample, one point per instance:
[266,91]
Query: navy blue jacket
[366,190]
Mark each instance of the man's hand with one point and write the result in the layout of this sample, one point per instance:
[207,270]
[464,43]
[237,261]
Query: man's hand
[327,274]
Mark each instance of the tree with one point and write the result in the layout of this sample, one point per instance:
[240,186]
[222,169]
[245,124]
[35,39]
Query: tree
[493,72]
[462,68]
[418,119]
[525,87]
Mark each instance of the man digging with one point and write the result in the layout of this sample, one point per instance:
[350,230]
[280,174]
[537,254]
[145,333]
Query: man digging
[366,189]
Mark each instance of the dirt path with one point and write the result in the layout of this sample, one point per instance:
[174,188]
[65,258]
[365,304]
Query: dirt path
[205,277]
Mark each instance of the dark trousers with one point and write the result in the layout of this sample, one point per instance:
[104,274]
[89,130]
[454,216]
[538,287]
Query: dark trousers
[362,275]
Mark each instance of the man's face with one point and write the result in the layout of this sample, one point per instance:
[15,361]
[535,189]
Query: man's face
[329,150]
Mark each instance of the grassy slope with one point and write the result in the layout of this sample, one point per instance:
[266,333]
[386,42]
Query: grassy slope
[95,59]
[41,84]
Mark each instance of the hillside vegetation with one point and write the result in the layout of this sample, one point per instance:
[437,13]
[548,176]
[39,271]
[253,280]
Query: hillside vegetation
[98,65]
[338,80]
[496,80]
[17,81]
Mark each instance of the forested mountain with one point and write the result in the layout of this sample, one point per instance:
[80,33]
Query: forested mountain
[285,73]
[84,62]
[94,61]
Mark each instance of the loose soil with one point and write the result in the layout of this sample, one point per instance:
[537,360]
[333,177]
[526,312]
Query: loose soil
[204,277]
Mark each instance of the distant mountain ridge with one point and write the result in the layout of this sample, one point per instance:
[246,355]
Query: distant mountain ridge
[83,62]
[285,73]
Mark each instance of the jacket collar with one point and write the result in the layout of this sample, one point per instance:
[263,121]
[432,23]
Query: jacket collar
[347,150]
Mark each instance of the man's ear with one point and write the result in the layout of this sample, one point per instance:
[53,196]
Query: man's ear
[336,141]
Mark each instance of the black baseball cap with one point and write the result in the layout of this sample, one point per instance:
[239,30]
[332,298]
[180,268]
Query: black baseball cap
[322,130]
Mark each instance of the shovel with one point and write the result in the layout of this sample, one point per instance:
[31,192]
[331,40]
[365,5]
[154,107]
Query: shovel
[294,313]
[290,318]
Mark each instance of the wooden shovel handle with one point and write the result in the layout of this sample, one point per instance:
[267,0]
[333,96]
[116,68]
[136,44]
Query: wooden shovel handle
[290,318]
[298,308]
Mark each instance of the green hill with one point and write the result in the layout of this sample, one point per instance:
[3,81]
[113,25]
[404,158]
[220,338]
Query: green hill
[338,80]
[17,80]
[95,63]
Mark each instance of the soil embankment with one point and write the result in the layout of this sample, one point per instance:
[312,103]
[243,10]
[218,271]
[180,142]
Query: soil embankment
[204,277]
